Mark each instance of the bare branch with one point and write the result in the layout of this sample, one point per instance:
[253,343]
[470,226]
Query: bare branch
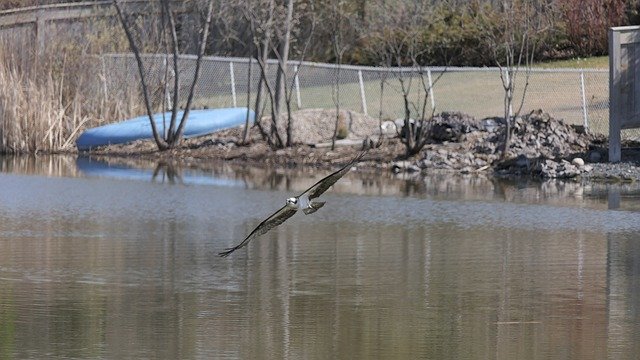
[145,89]
[176,78]
[202,46]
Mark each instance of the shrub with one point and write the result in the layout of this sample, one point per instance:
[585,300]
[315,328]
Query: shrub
[586,22]
[457,36]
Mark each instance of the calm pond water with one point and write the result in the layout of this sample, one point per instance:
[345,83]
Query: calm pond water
[118,260]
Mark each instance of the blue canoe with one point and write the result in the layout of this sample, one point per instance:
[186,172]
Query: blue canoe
[200,122]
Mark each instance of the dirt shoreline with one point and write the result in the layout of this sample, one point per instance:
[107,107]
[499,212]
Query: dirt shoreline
[542,148]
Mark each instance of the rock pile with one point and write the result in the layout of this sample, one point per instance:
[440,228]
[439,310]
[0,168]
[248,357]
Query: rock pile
[540,145]
[542,167]
[453,158]
[561,169]
[548,144]
[453,126]
[540,135]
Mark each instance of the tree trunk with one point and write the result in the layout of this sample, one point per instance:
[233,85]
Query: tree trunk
[196,75]
[173,136]
[507,129]
[169,135]
[261,56]
[282,69]
[162,145]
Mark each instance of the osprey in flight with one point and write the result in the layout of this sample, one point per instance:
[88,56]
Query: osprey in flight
[303,201]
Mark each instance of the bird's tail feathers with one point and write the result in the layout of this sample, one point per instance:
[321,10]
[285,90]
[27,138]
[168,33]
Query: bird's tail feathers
[313,207]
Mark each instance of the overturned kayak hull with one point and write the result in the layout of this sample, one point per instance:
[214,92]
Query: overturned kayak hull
[200,122]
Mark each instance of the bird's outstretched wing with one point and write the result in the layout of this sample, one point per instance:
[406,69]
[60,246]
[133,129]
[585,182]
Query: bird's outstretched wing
[323,185]
[269,223]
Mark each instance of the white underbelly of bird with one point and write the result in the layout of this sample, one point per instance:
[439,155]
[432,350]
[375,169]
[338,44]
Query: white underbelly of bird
[307,205]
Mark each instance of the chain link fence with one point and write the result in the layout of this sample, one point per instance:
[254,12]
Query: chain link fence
[579,96]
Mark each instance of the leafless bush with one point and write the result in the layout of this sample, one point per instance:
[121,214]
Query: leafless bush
[396,29]
[586,23]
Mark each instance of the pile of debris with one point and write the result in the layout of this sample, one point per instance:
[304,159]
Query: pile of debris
[451,139]
[540,135]
[453,126]
[541,146]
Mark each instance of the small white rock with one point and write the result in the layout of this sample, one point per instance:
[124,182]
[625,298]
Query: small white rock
[577,161]
[389,128]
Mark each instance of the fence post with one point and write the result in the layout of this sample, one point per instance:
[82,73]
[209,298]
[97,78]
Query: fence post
[166,81]
[40,25]
[104,81]
[433,100]
[297,81]
[363,99]
[233,84]
[584,101]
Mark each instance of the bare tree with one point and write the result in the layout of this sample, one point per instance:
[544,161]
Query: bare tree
[274,27]
[173,135]
[396,32]
[283,58]
[231,38]
[522,24]
[284,82]
[260,16]
[338,51]
[342,21]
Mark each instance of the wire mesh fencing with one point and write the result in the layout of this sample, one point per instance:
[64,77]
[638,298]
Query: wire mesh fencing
[579,96]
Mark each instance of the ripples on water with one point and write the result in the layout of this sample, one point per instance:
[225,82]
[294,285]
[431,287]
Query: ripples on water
[106,266]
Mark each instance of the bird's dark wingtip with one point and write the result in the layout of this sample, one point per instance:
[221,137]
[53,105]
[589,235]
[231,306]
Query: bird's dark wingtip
[358,157]
[227,252]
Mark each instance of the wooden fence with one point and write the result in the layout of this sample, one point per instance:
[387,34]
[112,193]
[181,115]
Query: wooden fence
[34,23]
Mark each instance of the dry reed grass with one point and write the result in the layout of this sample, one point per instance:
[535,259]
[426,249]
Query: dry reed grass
[32,113]
[53,87]
[47,98]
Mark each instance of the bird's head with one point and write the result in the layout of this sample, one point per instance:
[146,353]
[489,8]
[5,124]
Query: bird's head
[292,201]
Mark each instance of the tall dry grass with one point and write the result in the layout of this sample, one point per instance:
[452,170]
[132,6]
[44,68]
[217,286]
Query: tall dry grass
[45,109]
[53,89]
[49,95]
[33,116]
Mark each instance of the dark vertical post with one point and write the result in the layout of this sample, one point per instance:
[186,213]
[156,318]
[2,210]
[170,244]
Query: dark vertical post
[614,96]
[40,31]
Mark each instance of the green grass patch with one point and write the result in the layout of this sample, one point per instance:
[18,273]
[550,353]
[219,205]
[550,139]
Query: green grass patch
[596,62]
[478,93]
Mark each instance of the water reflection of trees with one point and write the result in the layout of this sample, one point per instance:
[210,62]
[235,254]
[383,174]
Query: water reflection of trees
[436,291]
[166,172]
[441,185]
[75,296]
[444,290]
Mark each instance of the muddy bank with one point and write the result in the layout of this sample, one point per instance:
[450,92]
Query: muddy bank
[312,133]
[542,147]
